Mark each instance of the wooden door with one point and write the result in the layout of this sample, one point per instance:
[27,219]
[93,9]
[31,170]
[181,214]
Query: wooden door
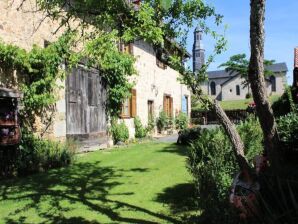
[85,103]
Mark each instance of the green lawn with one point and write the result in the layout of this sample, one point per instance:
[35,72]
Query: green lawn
[239,104]
[145,183]
[242,104]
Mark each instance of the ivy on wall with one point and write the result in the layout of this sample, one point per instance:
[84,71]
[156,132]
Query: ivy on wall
[40,70]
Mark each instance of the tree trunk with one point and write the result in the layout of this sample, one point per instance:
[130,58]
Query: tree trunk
[257,81]
[234,137]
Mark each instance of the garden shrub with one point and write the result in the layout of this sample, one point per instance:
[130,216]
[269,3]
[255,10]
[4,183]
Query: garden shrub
[288,129]
[181,121]
[119,132]
[252,137]
[140,131]
[151,124]
[248,96]
[212,163]
[284,104]
[188,135]
[36,154]
[162,121]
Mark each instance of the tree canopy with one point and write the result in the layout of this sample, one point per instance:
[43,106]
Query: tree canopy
[239,64]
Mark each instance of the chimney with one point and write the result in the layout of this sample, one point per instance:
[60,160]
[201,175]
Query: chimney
[295,75]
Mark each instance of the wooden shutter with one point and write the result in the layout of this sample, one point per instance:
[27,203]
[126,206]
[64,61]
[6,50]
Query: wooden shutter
[171,107]
[131,48]
[165,103]
[133,103]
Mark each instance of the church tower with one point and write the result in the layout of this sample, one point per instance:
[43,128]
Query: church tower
[198,50]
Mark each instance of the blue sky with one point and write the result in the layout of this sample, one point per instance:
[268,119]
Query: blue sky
[281,27]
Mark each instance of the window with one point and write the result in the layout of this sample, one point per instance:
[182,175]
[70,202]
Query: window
[160,64]
[125,108]
[213,88]
[273,83]
[168,105]
[185,104]
[150,109]
[129,106]
[127,48]
[198,54]
[238,90]
[46,43]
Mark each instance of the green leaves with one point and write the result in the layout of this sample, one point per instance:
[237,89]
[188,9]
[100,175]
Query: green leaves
[39,71]
[238,64]
[166,4]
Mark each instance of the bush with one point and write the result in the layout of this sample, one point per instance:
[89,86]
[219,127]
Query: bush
[162,121]
[288,129]
[151,124]
[284,104]
[188,135]
[248,96]
[119,132]
[35,154]
[140,131]
[252,137]
[212,163]
[181,121]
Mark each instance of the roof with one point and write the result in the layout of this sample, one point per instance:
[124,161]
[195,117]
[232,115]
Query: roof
[278,67]
[198,28]
[179,47]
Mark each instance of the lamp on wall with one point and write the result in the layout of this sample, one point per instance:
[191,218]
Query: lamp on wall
[154,88]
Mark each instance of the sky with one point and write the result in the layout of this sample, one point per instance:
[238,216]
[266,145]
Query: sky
[281,28]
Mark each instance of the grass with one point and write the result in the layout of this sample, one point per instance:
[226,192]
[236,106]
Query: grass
[145,183]
[240,104]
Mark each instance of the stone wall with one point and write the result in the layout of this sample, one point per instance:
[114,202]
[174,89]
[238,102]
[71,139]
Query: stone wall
[24,27]
[152,83]
[228,90]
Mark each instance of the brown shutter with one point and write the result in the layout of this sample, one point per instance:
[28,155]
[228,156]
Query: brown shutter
[171,107]
[131,48]
[165,103]
[133,103]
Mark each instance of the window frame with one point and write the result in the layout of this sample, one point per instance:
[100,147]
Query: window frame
[238,92]
[150,107]
[168,105]
[131,104]
[213,88]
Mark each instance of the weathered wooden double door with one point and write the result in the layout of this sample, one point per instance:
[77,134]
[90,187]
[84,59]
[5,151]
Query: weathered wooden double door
[86,98]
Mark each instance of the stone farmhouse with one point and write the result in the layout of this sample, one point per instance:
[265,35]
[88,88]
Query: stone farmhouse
[223,85]
[80,111]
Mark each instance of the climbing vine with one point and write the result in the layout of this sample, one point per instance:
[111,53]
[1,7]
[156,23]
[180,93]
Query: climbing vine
[40,70]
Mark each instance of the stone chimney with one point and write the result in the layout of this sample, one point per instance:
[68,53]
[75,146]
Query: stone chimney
[295,75]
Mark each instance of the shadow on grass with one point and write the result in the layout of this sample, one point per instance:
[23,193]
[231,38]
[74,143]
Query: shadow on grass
[182,200]
[181,150]
[87,185]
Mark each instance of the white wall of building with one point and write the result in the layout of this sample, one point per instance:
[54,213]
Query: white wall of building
[152,83]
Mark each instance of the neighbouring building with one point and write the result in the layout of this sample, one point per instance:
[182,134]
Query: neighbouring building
[80,110]
[223,85]
[295,72]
